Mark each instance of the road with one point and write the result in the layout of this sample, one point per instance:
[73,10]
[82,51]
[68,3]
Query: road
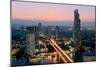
[61,53]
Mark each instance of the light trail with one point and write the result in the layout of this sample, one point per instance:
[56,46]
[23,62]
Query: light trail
[61,53]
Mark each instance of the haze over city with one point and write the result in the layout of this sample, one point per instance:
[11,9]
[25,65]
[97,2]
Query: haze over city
[50,14]
[47,33]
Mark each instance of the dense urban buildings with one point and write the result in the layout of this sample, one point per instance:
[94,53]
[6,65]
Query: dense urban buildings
[52,42]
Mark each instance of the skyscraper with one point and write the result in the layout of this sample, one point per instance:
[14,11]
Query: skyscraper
[76,29]
[57,31]
[38,34]
[31,45]
[39,27]
[77,37]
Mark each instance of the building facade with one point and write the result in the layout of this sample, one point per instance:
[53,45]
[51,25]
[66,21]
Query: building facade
[77,37]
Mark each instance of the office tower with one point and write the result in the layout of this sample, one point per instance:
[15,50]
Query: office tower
[57,31]
[47,31]
[76,29]
[77,36]
[31,44]
[39,31]
[39,27]
[36,32]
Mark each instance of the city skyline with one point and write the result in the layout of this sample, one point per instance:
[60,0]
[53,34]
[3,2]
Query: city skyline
[44,33]
[51,13]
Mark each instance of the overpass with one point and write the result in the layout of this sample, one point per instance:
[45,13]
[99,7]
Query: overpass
[61,53]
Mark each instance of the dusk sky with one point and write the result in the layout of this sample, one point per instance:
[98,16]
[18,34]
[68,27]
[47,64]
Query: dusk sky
[51,12]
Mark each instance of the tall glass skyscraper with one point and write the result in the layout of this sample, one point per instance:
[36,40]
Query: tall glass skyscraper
[77,37]
[76,29]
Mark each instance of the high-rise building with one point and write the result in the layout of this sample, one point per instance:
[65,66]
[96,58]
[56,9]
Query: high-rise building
[57,31]
[31,44]
[77,37]
[38,34]
[76,29]
[39,27]
[32,39]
